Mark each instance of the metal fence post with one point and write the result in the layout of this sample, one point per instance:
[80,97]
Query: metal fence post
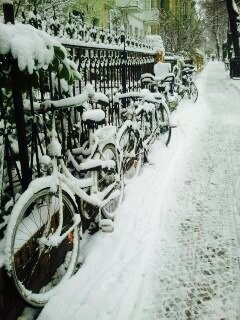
[8,11]
[124,61]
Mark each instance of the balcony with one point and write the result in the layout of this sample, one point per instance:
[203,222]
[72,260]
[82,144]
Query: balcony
[133,6]
[151,16]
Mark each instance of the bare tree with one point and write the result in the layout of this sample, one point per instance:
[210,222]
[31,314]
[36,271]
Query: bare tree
[180,32]
[233,13]
[215,21]
[41,6]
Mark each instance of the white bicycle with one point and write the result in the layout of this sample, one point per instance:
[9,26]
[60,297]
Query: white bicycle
[43,233]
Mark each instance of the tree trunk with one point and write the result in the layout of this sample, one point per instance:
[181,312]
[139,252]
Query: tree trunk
[233,27]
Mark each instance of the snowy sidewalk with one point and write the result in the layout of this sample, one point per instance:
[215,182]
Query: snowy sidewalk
[175,250]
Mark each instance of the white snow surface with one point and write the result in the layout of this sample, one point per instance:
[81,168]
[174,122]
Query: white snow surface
[174,253]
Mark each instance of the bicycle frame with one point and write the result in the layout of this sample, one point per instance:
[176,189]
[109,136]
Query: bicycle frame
[61,175]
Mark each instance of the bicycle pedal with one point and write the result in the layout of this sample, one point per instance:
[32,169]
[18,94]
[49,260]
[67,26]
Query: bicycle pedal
[93,228]
[106,225]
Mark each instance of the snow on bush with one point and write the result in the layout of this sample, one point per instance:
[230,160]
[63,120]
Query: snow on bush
[35,49]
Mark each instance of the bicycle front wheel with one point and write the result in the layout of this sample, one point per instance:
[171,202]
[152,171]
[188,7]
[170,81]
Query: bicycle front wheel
[132,153]
[164,125]
[193,92]
[38,269]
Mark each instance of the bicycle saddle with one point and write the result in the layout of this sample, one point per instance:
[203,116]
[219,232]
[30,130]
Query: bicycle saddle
[167,78]
[100,98]
[91,117]
[187,71]
[147,76]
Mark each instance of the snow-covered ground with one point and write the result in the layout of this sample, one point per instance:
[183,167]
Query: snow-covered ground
[175,252]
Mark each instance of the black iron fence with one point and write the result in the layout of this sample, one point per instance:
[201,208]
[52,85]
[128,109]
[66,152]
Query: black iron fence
[110,62]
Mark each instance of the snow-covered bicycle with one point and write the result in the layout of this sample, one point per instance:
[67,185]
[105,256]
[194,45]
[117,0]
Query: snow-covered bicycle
[146,118]
[42,237]
[101,144]
[166,85]
[187,87]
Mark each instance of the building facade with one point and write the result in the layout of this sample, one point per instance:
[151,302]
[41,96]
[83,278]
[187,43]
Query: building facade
[140,17]
[95,11]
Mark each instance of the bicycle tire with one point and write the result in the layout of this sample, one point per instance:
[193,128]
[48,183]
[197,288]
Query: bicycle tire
[193,92]
[132,154]
[105,178]
[37,269]
[164,125]
[149,130]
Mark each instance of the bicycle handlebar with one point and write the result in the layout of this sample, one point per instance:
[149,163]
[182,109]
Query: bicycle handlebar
[88,94]
[145,96]
[155,79]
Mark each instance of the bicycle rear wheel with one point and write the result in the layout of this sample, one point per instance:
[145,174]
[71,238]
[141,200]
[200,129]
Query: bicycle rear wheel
[193,92]
[38,269]
[164,125]
[132,153]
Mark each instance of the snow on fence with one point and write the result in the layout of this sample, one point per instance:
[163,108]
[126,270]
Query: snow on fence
[111,62]
[75,32]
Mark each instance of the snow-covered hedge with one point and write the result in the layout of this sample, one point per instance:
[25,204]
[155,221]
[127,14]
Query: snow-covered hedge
[35,49]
